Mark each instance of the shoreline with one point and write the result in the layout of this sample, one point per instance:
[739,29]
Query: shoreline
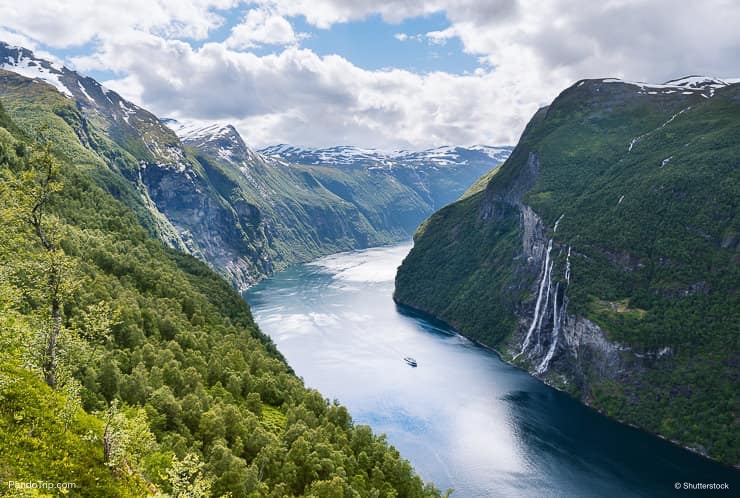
[427,315]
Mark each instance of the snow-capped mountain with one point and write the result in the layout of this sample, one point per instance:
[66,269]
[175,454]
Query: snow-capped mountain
[445,156]
[688,85]
[97,101]
[221,139]
[23,62]
[450,155]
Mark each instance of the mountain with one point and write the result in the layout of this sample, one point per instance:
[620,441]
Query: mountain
[133,156]
[207,193]
[302,212]
[308,207]
[438,175]
[445,156]
[128,368]
[603,256]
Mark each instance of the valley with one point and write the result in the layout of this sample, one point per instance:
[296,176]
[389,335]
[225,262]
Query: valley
[206,192]
[192,305]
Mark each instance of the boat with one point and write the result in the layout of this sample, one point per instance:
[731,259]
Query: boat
[410,361]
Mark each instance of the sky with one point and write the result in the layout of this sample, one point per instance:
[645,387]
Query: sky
[385,74]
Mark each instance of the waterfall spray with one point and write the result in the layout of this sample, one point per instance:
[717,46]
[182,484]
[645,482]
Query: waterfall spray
[555,333]
[547,269]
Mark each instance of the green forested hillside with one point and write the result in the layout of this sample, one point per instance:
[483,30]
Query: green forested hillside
[245,214]
[131,369]
[645,184]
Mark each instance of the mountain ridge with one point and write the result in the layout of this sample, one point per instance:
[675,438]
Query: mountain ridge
[601,257]
[212,200]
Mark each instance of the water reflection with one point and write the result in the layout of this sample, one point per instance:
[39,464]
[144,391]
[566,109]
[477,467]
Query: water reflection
[463,418]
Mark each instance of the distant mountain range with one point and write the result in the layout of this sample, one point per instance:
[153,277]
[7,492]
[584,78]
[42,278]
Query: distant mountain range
[445,156]
[202,189]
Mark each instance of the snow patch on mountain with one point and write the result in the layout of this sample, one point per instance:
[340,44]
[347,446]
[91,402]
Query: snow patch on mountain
[84,92]
[22,61]
[688,85]
[344,155]
[198,130]
[697,82]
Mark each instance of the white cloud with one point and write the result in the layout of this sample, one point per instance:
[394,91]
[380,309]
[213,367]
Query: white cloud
[406,37]
[529,50]
[298,97]
[65,23]
[261,27]
[441,37]
[324,13]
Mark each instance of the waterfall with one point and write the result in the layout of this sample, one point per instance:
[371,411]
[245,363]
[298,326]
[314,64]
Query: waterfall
[547,270]
[544,308]
[555,331]
[636,140]
[557,314]
[555,228]
[557,317]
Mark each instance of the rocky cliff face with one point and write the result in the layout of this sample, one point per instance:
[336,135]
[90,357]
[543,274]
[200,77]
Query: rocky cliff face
[141,161]
[206,192]
[596,256]
[559,347]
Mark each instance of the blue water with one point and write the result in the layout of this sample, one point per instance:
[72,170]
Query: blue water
[463,418]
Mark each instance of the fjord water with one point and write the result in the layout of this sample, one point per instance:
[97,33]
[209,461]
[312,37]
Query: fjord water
[464,418]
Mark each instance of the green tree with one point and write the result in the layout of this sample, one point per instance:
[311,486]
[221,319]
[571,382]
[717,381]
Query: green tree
[127,439]
[187,478]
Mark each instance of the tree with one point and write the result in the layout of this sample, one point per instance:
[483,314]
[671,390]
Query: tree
[126,439]
[30,183]
[187,478]
[43,179]
[14,326]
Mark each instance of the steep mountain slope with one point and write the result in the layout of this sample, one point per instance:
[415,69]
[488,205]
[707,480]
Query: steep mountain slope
[439,176]
[164,384]
[133,156]
[603,256]
[245,214]
[304,212]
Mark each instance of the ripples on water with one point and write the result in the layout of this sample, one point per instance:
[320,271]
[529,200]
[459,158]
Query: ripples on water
[464,418]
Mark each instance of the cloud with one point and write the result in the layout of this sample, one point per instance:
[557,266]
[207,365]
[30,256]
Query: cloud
[298,97]
[262,27]
[324,13]
[406,37]
[441,37]
[529,51]
[66,23]
[650,40]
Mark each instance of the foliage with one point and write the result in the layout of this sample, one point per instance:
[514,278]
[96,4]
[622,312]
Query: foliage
[34,446]
[648,187]
[190,395]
